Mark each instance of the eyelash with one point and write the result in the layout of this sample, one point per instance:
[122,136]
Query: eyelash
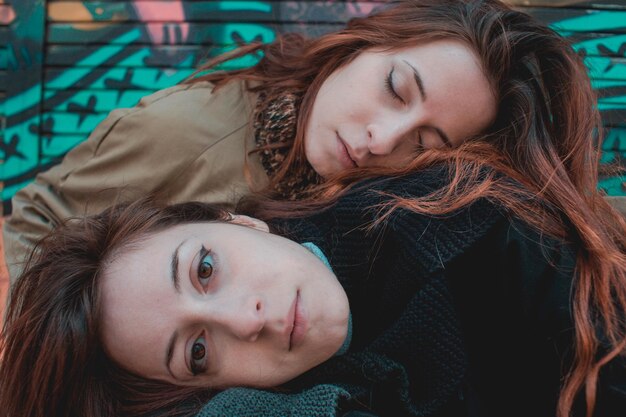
[396,96]
[389,86]
[419,146]
[204,254]
[197,369]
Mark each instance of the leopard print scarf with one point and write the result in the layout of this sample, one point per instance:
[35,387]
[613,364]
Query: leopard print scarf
[274,131]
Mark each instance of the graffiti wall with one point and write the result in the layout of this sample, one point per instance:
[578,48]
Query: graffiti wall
[64,64]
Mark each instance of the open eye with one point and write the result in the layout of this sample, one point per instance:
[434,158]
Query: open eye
[198,356]
[205,267]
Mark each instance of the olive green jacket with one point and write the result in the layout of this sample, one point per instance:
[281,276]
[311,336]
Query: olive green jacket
[186,142]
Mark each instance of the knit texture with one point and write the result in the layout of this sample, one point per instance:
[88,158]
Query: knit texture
[274,125]
[318,401]
[407,356]
[464,315]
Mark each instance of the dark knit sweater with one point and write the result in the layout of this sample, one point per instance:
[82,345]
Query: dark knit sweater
[460,315]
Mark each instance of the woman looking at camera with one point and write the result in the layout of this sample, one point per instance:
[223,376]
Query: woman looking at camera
[430,294]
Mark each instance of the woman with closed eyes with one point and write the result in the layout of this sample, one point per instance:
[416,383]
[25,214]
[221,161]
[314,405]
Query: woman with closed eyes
[414,76]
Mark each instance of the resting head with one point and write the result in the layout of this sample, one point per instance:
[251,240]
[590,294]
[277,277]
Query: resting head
[143,300]
[434,74]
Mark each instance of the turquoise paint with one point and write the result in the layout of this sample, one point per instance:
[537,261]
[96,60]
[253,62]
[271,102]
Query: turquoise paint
[249,32]
[255,6]
[28,146]
[143,78]
[599,84]
[613,101]
[592,22]
[606,68]
[31,97]
[105,100]
[66,123]
[613,42]
[615,139]
[612,106]
[59,145]
[613,146]
[23,101]
[9,191]
[614,185]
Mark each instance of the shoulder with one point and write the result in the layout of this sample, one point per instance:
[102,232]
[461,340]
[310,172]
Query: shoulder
[520,269]
[185,112]
[169,127]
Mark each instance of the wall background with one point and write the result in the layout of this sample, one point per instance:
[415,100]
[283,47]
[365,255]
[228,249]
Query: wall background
[64,64]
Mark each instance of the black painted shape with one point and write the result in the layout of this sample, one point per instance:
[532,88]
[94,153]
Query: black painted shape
[46,126]
[240,41]
[83,111]
[10,149]
[123,84]
[605,51]
[616,91]
[613,117]
[58,99]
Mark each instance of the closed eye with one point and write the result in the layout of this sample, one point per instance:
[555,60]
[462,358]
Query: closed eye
[390,87]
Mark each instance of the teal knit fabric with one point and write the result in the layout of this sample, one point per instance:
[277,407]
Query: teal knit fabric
[319,401]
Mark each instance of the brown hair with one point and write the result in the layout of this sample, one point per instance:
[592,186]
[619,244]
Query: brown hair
[53,363]
[532,70]
[546,136]
[542,138]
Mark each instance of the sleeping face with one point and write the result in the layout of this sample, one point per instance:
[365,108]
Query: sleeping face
[219,305]
[384,106]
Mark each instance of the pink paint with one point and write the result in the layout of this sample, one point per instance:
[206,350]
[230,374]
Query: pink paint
[360,10]
[7,14]
[163,17]
[357,9]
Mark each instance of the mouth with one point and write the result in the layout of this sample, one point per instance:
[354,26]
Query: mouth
[344,154]
[298,327]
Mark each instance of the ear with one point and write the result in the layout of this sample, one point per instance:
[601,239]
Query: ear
[248,221]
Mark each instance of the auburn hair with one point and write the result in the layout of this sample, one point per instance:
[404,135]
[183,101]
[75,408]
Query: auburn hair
[52,362]
[546,136]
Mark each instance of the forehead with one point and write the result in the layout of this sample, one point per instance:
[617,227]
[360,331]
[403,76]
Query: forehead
[440,51]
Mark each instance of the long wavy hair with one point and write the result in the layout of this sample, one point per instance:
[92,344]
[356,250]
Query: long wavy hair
[52,362]
[546,136]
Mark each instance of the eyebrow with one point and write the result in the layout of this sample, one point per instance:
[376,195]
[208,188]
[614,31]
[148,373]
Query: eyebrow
[420,87]
[170,353]
[174,265]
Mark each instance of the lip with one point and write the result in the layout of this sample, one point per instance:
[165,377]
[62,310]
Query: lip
[299,326]
[343,154]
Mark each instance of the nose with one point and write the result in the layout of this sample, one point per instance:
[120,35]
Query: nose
[243,318]
[386,135]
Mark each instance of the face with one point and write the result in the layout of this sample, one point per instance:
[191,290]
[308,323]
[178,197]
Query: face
[220,305]
[383,106]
